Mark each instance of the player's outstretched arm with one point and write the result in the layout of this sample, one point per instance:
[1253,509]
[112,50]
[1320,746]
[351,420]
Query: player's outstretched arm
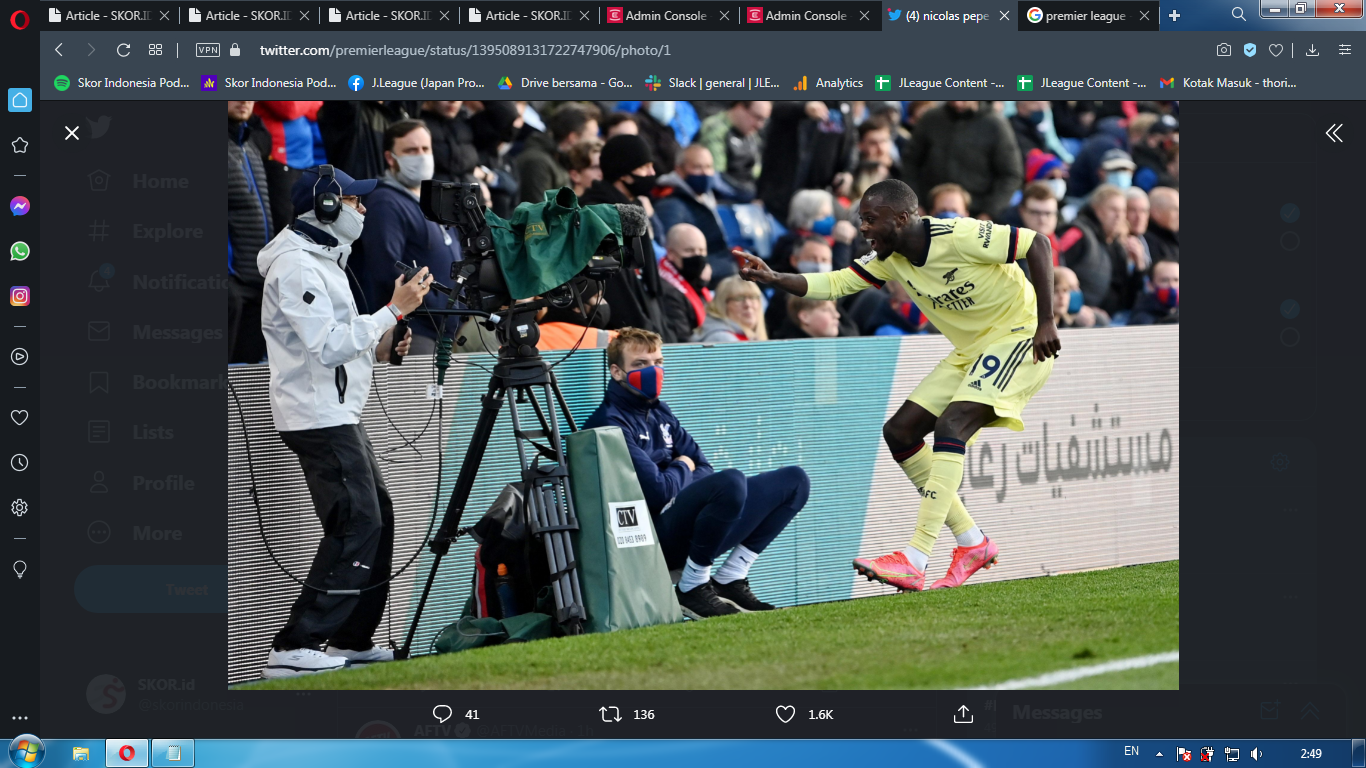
[755,270]
[1040,260]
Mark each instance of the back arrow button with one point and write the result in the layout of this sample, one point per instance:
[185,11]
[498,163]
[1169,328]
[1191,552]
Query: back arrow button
[58,49]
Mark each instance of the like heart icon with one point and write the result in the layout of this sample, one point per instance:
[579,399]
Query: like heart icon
[786,713]
[1275,49]
[18,417]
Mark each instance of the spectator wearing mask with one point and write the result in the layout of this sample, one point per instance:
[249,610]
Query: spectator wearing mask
[699,513]
[396,230]
[812,212]
[322,356]
[1069,306]
[812,255]
[962,143]
[876,153]
[249,228]
[736,144]
[686,197]
[618,123]
[948,201]
[628,175]
[1116,169]
[1164,224]
[685,273]
[1094,249]
[736,314]
[1048,168]
[809,319]
[494,128]
[810,145]
[1110,133]
[353,133]
[540,166]
[584,167]
[1027,121]
[452,142]
[1153,153]
[1159,302]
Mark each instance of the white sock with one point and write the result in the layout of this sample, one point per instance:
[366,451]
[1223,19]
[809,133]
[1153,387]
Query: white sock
[971,537]
[694,575]
[737,565]
[918,559]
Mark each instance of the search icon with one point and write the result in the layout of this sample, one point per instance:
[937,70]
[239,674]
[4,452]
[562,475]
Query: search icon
[1238,13]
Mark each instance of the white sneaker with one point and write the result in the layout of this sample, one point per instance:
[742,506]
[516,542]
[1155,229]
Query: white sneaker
[374,655]
[300,661]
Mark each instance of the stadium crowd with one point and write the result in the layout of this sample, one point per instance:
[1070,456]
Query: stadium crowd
[779,179]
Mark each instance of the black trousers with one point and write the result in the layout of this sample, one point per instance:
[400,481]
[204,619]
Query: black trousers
[357,548]
[246,342]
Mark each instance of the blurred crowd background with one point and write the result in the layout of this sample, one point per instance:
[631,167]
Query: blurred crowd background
[781,179]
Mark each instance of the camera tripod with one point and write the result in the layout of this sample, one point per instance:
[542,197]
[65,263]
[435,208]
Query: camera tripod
[520,377]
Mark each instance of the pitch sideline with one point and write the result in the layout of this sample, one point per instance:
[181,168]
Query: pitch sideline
[1077,673]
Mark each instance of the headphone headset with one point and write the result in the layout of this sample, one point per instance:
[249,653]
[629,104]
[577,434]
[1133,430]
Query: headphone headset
[327,204]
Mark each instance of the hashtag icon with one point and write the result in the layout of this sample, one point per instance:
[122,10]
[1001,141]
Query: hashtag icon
[99,230]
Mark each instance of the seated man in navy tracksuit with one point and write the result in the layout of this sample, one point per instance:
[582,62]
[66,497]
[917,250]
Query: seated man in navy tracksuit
[698,512]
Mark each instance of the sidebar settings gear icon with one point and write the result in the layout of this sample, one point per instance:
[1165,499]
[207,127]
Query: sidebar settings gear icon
[1280,462]
[19,507]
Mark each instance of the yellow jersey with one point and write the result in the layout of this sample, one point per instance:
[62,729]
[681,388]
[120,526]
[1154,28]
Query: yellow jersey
[966,281]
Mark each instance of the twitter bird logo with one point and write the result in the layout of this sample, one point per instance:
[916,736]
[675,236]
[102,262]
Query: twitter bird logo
[98,127]
[893,15]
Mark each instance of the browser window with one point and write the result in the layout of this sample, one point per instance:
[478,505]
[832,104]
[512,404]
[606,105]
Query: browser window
[365,433]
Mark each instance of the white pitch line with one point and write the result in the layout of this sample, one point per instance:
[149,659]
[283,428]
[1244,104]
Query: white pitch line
[1078,673]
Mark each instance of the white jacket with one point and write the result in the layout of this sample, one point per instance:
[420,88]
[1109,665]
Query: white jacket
[321,350]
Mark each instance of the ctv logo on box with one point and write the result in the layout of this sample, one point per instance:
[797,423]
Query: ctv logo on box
[630,526]
[754,14]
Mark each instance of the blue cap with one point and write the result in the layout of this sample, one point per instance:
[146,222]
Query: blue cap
[302,194]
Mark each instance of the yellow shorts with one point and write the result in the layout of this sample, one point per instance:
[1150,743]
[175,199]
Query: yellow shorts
[1004,377]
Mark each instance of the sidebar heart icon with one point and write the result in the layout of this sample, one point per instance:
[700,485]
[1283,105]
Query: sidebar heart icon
[18,417]
[786,713]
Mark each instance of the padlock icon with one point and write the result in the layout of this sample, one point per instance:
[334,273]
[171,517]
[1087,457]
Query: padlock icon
[234,50]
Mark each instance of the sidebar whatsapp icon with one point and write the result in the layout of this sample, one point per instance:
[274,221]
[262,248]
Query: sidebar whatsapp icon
[19,251]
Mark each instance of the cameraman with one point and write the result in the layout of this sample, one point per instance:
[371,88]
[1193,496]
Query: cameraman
[321,351]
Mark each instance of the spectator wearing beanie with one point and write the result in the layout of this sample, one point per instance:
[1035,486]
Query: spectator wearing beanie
[628,175]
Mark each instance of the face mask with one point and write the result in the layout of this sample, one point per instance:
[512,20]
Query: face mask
[647,382]
[414,169]
[1168,297]
[641,185]
[808,267]
[663,111]
[347,227]
[1121,179]
[1035,118]
[692,269]
[1058,186]
[699,183]
[948,215]
[823,226]
[1074,302]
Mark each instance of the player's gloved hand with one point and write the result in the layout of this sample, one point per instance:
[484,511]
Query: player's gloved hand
[1046,342]
[752,267]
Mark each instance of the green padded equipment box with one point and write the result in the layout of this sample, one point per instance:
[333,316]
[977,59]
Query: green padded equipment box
[622,573]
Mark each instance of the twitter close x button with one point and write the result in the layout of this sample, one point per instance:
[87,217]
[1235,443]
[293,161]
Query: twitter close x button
[170,753]
[127,753]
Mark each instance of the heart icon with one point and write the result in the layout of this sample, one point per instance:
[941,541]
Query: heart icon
[19,417]
[786,713]
[1275,49]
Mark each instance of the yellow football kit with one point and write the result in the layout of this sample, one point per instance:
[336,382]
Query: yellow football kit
[967,284]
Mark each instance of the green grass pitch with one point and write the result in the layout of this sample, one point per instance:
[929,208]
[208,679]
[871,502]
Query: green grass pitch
[976,635]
